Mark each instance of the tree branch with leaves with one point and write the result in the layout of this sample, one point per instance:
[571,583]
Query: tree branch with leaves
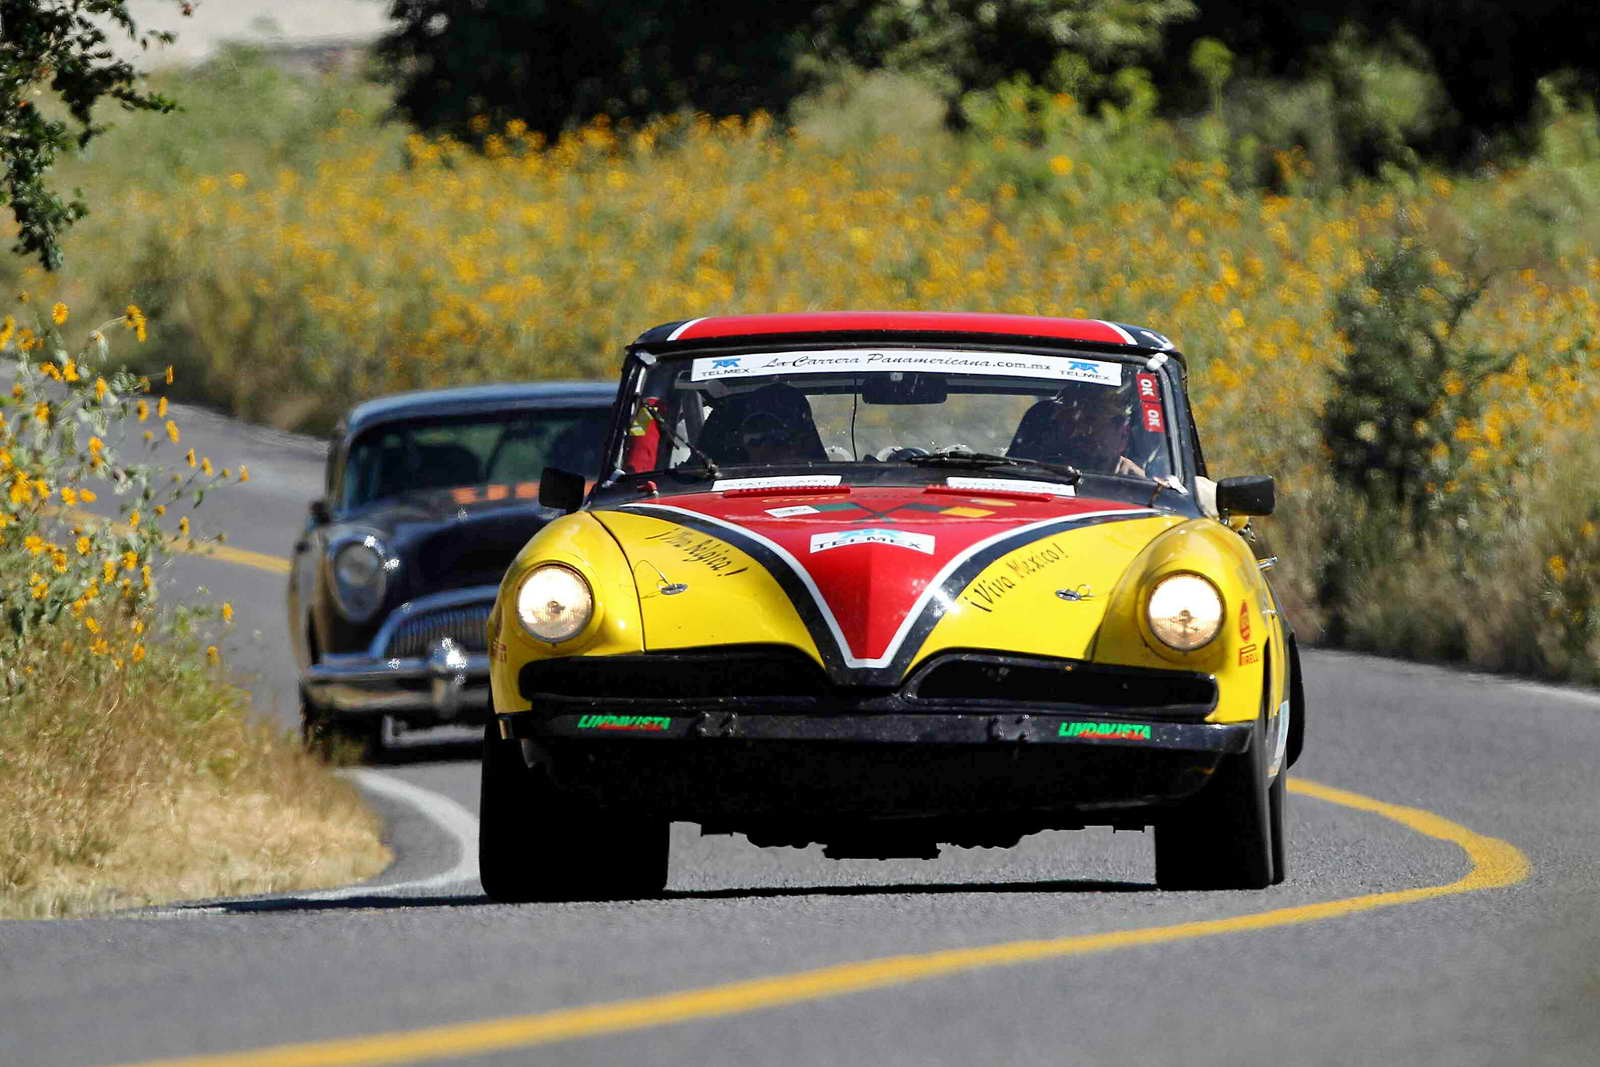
[60,47]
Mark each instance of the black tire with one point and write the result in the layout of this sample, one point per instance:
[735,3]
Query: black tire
[535,843]
[1223,838]
[1276,799]
[338,740]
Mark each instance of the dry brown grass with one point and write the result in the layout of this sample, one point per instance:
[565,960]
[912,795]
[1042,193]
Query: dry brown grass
[150,783]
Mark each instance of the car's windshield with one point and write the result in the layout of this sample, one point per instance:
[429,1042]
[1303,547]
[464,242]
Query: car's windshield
[898,405]
[508,448]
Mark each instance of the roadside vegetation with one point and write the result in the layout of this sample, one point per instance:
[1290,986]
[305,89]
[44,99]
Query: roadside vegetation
[130,769]
[1401,329]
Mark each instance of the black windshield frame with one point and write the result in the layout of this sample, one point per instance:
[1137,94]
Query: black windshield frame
[1168,365]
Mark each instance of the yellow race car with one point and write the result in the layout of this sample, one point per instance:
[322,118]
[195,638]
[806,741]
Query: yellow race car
[882,582]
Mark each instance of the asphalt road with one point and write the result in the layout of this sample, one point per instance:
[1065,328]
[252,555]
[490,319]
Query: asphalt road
[1462,930]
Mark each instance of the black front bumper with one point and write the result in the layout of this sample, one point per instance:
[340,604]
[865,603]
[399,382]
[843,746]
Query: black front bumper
[791,750]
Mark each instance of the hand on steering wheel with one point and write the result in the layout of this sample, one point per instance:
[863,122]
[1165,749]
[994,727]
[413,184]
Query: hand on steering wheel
[904,452]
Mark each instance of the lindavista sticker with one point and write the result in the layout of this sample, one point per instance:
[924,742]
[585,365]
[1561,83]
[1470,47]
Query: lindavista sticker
[799,481]
[1110,731]
[793,509]
[951,361]
[873,535]
[1010,485]
[643,724]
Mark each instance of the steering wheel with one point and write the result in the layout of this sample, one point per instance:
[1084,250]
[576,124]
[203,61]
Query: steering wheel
[905,452]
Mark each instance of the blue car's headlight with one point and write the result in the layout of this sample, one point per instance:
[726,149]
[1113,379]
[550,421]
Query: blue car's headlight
[360,577]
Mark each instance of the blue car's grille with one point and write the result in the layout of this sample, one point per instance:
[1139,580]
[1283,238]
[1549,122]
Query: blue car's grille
[416,637]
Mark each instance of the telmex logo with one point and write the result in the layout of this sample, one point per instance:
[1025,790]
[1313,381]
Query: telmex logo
[873,536]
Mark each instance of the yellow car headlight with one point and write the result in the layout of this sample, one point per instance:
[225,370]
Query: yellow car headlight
[1185,612]
[554,603]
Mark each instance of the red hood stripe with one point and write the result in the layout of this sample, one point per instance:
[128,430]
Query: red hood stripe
[807,322]
[871,592]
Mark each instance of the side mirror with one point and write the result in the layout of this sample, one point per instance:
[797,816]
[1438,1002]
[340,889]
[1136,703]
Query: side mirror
[560,489]
[320,515]
[1253,495]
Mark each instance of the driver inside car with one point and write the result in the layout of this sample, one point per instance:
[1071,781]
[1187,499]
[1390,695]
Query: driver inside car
[1086,425]
[772,424]
[767,438]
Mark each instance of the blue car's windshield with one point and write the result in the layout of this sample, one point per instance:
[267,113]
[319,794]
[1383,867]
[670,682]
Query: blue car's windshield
[504,448]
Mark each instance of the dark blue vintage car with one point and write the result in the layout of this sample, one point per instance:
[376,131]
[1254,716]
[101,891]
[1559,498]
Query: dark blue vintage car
[429,496]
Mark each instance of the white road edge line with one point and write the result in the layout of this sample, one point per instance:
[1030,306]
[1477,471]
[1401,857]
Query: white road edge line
[459,824]
[456,821]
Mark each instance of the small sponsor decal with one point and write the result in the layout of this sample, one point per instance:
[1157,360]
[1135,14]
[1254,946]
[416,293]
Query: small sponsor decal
[1111,731]
[474,494]
[794,509]
[966,513]
[643,724]
[1010,485]
[1150,402]
[873,535]
[1244,621]
[1249,654]
[1094,370]
[803,481]
[953,361]
[498,651]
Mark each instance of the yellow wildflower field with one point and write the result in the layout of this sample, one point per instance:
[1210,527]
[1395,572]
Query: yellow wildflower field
[391,262]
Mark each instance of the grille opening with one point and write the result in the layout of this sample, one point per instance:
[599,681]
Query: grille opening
[415,638]
[760,672]
[1025,681]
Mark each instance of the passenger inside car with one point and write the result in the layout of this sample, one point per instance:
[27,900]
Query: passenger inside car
[1085,424]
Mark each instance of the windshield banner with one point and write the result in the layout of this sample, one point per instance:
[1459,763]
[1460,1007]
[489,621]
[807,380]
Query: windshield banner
[848,360]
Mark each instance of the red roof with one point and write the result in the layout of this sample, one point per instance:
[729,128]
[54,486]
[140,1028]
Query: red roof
[805,322]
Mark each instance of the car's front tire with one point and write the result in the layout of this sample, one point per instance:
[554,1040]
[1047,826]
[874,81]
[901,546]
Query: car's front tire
[537,843]
[1227,835]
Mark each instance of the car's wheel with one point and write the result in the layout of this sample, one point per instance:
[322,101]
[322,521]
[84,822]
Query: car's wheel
[537,843]
[1224,837]
[1276,799]
[340,740]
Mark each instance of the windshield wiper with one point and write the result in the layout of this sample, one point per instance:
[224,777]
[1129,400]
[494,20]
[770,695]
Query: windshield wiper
[651,408]
[960,457]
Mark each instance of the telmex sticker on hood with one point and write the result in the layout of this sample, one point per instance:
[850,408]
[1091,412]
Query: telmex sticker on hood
[1010,485]
[802,481]
[873,536]
[829,361]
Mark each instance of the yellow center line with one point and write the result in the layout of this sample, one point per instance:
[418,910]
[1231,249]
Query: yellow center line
[1495,863]
[225,553]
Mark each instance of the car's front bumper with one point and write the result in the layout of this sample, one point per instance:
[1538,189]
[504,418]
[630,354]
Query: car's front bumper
[964,777]
[422,666]
[410,688]
[746,736]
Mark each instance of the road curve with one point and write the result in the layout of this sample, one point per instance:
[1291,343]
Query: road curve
[1439,909]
